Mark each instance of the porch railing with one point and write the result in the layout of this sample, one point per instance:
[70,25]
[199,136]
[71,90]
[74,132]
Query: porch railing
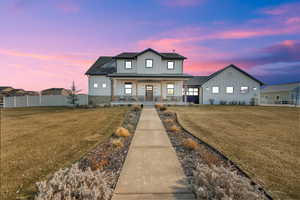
[137,99]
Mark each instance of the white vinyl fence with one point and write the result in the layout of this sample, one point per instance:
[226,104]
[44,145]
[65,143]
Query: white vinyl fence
[43,100]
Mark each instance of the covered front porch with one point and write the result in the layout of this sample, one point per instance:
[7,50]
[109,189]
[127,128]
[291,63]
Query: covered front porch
[147,91]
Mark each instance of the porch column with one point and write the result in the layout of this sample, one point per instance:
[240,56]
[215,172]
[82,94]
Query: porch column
[185,91]
[161,91]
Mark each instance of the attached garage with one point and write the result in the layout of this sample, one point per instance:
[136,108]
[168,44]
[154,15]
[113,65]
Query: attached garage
[193,89]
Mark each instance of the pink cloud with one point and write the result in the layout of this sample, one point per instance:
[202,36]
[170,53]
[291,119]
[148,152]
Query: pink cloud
[288,43]
[66,58]
[293,20]
[288,8]
[180,3]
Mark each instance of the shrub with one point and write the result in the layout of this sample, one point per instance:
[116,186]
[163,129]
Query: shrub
[222,183]
[163,108]
[211,101]
[252,102]
[157,106]
[174,129]
[223,102]
[98,164]
[117,142]
[73,183]
[136,108]
[190,144]
[169,114]
[122,132]
[209,158]
[168,121]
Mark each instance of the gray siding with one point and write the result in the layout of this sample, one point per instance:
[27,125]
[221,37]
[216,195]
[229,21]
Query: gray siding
[121,66]
[99,91]
[227,78]
[159,65]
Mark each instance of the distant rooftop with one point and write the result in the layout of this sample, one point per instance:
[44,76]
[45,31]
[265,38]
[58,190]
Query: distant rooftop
[281,87]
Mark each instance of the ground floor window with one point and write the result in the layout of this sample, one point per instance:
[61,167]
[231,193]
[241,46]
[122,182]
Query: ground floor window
[244,89]
[128,88]
[215,90]
[170,89]
[193,91]
[229,90]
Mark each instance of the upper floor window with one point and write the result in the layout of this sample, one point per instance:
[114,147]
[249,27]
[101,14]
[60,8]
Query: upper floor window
[149,63]
[229,90]
[128,64]
[244,89]
[170,64]
[128,88]
[215,90]
[170,89]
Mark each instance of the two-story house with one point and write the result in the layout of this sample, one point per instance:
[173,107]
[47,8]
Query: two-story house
[153,77]
[147,76]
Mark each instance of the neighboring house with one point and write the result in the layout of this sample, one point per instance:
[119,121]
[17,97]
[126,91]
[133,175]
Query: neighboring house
[56,91]
[151,76]
[230,85]
[287,93]
[147,76]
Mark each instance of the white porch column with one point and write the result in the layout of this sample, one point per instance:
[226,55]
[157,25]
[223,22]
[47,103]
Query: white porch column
[185,91]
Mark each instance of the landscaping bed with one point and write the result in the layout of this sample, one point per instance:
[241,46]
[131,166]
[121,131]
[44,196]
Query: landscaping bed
[210,174]
[98,170]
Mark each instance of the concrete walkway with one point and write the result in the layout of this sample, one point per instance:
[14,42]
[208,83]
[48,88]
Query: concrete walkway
[151,169]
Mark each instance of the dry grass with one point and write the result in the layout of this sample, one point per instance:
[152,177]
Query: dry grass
[122,132]
[174,129]
[117,142]
[190,144]
[36,142]
[264,141]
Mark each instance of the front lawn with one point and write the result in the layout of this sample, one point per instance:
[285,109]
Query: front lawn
[36,142]
[263,141]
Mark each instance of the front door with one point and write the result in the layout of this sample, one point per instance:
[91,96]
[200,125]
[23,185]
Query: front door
[149,93]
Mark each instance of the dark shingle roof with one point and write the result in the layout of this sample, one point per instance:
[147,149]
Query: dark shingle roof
[130,55]
[103,66]
[196,80]
[281,87]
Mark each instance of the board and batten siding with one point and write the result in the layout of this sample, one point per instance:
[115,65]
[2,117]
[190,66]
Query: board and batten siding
[99,91]
[230,78]
[159,65]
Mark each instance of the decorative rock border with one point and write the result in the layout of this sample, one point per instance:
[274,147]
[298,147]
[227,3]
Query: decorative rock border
[207,153]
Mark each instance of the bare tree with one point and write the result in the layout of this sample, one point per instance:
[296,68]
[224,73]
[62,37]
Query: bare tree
[73,97]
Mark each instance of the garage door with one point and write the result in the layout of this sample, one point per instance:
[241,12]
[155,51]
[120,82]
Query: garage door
[193,95]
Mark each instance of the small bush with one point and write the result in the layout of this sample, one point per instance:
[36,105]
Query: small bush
[169,121]
[222,183]
[252,102]
[136,108]
[157,106]
[209,158]
[122,132]
[163,108]
[211,101]
[117,142]
[169,114]
[174,129]
[190,144]
[223,102]
[73,183]
[98,164]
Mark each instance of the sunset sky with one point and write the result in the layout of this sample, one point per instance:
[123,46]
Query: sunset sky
[49,43]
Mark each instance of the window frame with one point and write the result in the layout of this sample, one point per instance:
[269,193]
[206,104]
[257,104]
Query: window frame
[128,88]
[244,91]
[212,90]
[227,90]
[173,66]
[193,91]
[146,63]
[170,89]
[128,61]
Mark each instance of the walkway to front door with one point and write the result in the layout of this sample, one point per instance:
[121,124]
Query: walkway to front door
[151,169]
